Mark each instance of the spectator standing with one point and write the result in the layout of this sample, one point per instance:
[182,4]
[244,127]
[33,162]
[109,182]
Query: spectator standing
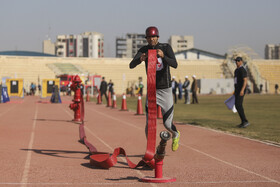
[141,87]
[103,88]
[174,85]
[111,88]
[240,83]
[261,88]
[194,90]
[39,88]
[276,88]
[32,89]
[186,89]
[180,88]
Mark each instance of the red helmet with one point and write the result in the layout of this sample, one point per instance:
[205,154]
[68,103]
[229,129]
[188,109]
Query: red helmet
[152,31]
[77,79]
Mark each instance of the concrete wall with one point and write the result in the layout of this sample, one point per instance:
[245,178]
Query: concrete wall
[216,86]
[33,68]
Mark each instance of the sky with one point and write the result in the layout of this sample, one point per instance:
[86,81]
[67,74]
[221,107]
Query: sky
[216,25]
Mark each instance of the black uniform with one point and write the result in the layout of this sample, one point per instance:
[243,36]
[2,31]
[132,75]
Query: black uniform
[103,89]
[239,75]
[163,78]
[163,83]
[111,88]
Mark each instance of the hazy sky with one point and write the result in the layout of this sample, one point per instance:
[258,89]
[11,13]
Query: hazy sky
[217,25]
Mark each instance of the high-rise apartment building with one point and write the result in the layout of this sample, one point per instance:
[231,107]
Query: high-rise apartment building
[88,44]
[272,51]
[181,43]
[127,47]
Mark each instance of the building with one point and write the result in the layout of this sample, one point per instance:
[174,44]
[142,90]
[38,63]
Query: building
[272,51]
[88,44]
[198,54]
[48,47]
[127,47]
[181,43]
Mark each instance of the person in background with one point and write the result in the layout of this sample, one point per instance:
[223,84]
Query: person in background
[39,88]
[276,88]
[180,88]
[174,85]
[103,89]
[186,89]
[141,87]
[111,88]
[240,84]
[194,89]
[261,88]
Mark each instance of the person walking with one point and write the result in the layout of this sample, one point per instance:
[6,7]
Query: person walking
[186,89]
[240,83]
[103,89]
[194,90]
[164,98]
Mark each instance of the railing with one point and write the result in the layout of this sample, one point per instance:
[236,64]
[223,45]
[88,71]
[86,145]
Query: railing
[256,75]
[54,69]
[231,67]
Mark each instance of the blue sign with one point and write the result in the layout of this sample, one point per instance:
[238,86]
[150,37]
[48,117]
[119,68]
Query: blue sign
[5,96]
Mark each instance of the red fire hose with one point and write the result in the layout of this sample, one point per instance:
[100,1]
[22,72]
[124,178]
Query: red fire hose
[105,160]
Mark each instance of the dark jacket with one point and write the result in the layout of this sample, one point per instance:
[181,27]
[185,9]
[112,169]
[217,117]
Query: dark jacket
[239,75]
[103,86]
[163,77]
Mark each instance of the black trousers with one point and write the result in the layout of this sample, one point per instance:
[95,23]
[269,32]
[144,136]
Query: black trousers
[239,107]
[194,98]
[186,96]
[104,93]
[175,96]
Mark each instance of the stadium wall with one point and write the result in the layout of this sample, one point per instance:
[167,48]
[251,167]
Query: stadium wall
[34,69]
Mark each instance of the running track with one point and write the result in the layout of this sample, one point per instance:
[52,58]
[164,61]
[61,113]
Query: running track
[39,147]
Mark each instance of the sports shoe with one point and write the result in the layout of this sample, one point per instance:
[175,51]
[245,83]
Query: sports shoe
[240,125]
[175,142]
[245,124]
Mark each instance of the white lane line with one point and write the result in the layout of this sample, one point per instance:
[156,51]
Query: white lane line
[215,158]
[275,144]
[108,146]
[123,159]
[131,183]
[230,164]
[116,119]
[6,111]
[24,178]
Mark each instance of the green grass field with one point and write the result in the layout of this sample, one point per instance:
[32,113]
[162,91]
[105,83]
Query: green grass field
[262,111]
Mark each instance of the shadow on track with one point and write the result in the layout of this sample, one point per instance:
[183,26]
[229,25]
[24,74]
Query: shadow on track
[58,153]
[126,178]
[57,120]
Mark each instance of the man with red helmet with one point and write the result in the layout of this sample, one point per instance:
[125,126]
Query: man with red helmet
[166,58]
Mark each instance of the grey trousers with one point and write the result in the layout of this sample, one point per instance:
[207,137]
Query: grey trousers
[164,99]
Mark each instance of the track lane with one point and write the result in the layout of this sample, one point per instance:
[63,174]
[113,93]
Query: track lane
[205,157]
